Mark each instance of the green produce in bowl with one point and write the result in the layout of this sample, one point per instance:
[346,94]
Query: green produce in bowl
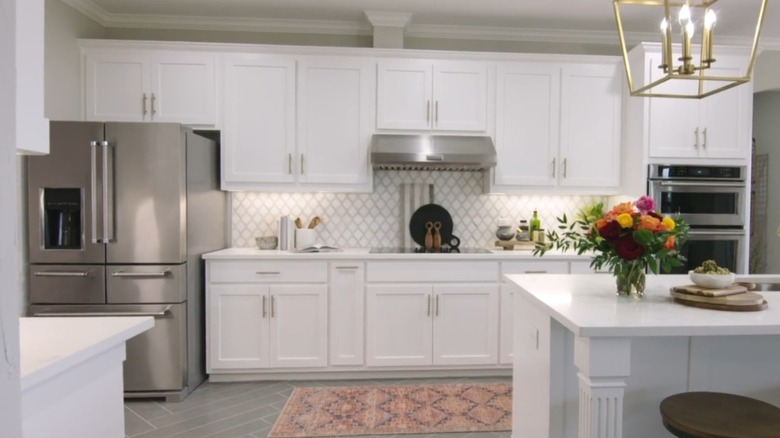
[710,267]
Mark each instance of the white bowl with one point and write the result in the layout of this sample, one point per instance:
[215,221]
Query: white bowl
[712,281]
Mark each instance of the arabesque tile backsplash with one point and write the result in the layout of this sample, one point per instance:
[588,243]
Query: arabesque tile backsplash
[375,219]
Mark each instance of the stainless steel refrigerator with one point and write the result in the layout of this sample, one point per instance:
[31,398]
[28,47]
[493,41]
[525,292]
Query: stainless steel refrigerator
[119,215]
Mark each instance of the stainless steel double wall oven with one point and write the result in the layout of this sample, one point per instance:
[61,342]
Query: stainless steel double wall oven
[119,214]
[713,201]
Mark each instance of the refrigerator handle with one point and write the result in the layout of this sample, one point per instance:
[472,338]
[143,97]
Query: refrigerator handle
[108,192]
[161,314]
[96,235]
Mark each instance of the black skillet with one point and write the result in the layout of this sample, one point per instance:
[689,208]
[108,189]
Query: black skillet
[430,213]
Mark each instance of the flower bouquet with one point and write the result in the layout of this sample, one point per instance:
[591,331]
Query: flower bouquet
[627,240]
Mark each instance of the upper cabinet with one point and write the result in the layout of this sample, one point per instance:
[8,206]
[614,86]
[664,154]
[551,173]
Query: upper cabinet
[447,96]
[297,123]
[558,127]
[139,86]
[715,127]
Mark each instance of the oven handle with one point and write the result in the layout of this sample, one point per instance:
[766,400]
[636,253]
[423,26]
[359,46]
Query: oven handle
[701,184]
[692,232]
[161,314]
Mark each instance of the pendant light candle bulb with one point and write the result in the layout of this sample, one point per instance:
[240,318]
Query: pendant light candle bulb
[709,19]
[684,15]
[706,43]
[665,45]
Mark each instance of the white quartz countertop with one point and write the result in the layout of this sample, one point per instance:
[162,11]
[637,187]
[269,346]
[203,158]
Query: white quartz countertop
[363,253]
[49,346]
[588,306]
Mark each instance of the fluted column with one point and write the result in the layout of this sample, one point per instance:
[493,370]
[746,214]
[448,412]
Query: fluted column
[604,365]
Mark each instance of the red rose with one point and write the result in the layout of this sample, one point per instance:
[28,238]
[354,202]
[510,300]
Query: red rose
[610,231]
[628,249]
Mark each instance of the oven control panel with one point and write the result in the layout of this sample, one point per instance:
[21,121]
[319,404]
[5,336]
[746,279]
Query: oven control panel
[731,173]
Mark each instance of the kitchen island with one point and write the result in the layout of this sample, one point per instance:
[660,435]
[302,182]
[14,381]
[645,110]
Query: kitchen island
[71,375]
[591,364]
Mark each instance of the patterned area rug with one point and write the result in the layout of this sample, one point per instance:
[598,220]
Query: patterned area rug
[376,410]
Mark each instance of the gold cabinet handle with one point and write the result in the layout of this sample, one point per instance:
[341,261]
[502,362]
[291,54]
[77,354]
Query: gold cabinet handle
[437,305]
[429,306]
[428,111]
[535,272]
[301,164]
[267,272]
[143,104]
[264,312]
[436,113]
[696,137]
[564,167]
[272,306]
[553,168]
[154,111]
[347,268]
[704,144]
[289,164]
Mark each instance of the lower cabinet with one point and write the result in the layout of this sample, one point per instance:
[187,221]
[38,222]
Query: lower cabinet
[347,300]
[267,326]
[422,324]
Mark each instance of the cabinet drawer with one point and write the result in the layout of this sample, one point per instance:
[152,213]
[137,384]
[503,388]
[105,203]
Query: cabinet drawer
[252,271]
[433,271]
[535,267]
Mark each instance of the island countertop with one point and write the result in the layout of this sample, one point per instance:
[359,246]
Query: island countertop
[588,306]
[50,346]
[365,254]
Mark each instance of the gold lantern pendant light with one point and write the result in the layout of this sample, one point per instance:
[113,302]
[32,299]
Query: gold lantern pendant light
[684,67]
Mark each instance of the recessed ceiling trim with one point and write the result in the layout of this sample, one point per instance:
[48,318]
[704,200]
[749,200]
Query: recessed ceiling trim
[104,18]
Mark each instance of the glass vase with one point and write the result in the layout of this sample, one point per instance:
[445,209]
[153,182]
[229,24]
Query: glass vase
[631,282]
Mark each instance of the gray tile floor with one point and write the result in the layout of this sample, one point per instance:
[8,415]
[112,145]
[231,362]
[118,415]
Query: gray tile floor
[247,410]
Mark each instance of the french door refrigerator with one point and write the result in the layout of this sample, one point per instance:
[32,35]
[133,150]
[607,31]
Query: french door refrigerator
[119,215]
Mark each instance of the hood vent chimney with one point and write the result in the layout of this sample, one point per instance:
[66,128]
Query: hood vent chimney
[388,28]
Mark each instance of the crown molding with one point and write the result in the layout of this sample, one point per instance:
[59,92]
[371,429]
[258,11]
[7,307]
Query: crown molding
[388,19]
[486,33]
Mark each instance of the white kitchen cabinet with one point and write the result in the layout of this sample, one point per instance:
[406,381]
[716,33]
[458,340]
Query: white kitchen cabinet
[149,86]
[259,121]
[558,127]
[432,95]
[336,110]
[256,318]
[715,127]
[416,324]
[297,123]
[506,348]
[346,315]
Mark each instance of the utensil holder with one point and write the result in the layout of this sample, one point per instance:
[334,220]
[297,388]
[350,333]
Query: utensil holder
[305,237]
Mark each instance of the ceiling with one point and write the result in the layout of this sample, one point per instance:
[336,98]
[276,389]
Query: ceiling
[512,20]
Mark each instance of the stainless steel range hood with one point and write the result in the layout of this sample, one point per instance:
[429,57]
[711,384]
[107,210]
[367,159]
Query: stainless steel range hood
[432,152]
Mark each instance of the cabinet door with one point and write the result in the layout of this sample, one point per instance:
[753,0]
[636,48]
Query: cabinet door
[117,87]
[460,96]
[465,327]
[527,124]
[398,325]
[507,335]
[183,89]
[335,121]
[347,296]
[237,327]
[299,326]
[404,92]
[591,119]
[672,123]
[726,117]
[259,134]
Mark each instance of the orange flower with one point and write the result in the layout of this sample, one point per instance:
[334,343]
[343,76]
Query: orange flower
[623,207]
[669,244]
[647,222]
[600,223]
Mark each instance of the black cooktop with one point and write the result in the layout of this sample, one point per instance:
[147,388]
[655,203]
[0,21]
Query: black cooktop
[443,250]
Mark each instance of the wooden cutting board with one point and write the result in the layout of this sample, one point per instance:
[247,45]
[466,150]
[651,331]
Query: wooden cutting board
[728,307]
[703,291]
[743,299]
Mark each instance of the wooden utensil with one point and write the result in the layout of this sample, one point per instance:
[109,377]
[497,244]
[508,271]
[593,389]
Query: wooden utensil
[428,235]
[315,221]
[298,223]
[698,290]
[436,235]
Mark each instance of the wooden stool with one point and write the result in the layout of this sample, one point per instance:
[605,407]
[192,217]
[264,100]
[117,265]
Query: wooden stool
[719,415]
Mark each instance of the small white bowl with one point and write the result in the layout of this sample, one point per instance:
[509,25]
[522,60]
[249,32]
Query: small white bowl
[712,281]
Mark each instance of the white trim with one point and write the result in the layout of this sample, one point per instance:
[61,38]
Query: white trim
[388,19]
[333,27]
